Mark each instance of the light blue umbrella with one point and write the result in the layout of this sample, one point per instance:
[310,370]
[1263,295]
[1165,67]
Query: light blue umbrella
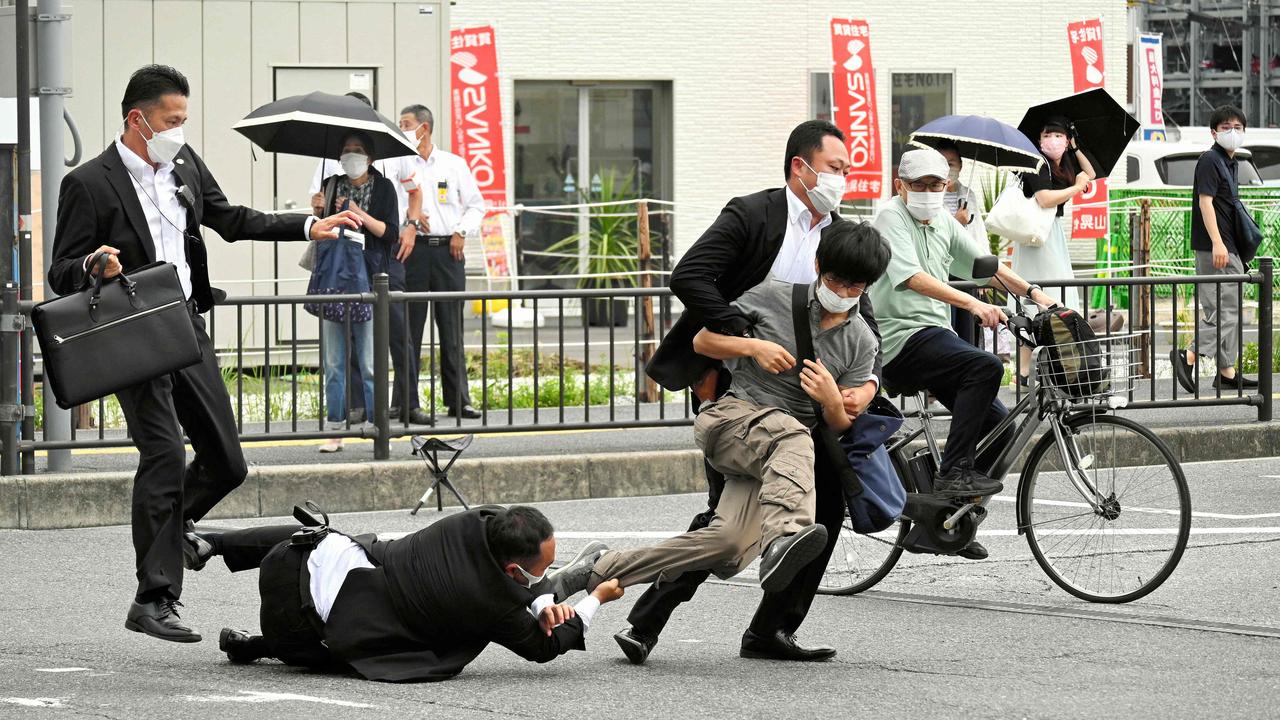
[982,139]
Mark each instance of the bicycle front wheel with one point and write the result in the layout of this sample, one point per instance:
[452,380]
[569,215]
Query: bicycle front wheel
[1130,543]
[858,561]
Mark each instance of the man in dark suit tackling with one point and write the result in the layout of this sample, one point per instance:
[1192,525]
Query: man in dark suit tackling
[771,232]
[417,608]
[141,201]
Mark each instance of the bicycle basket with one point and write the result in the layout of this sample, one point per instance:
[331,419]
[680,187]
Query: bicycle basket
[1091,369]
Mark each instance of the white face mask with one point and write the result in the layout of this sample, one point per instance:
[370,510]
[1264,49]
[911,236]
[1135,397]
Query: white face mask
[826,195]
[163,147]
[411,136]
[1230,140]
[530,577]
[924,205]
[355,165]
[833,303]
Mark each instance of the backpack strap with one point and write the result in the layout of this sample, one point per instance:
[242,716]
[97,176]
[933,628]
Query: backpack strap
[804,336]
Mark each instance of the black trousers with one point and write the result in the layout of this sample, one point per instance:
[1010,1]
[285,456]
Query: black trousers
[290,631]
[432,268]
[784,610]
[962,377]
[404,387]
[167,491]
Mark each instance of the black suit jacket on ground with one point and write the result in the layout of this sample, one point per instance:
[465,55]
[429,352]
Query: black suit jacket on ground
[734,255]
[434,601]
[98,205]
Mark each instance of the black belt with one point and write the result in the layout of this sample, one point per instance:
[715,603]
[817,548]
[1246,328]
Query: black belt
[435,240]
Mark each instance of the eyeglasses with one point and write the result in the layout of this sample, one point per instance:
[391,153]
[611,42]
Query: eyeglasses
[923,186]
[836,283]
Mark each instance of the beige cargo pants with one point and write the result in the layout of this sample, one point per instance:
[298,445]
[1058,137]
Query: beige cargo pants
[766,456]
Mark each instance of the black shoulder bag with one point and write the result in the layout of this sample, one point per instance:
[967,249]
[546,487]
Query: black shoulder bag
[825,440]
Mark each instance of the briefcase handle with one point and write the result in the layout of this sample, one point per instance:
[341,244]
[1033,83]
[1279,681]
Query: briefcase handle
[99,261]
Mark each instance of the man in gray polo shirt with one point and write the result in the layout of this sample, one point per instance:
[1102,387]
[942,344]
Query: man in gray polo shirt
[757,434]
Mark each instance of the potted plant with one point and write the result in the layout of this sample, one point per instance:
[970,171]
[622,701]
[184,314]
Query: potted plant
[612,247]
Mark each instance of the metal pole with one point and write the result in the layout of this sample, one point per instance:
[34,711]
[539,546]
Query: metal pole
[21,16]
[381,367]
[52,47]
[9,383]
[1266,326]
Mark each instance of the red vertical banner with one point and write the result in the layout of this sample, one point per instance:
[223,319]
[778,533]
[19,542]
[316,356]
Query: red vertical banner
[853,99]
[1089,216]
[477,131]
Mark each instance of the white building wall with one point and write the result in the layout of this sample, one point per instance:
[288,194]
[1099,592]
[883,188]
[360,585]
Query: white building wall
[740,70]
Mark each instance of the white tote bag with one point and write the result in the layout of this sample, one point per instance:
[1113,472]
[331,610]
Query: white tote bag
[1020,218]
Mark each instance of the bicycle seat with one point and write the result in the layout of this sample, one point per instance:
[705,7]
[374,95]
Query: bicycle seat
[435,444]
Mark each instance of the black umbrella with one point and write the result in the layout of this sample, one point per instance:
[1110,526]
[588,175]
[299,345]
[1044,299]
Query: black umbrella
[315,124]
[1102,125]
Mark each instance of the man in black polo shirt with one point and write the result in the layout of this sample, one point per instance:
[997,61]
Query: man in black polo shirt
[1216,240]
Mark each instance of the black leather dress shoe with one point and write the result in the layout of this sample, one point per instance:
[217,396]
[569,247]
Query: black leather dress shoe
[782,646]
[635,646]
[418,416]
[973,551]
[159,619]
[196,550]
[393,412]
[466,412]
[241,647]
[789,554]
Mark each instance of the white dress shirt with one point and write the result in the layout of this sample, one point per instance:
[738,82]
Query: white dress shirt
[166,217]
[586,608]
[794,262]
[329,563]
[451,199]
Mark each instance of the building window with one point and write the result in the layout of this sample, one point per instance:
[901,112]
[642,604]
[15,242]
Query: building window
[917,99]
[820,96]
[579,142]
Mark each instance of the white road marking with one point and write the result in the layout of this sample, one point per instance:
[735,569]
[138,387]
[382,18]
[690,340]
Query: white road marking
[61,670]
[34,702]
[1157,511]
[255,696]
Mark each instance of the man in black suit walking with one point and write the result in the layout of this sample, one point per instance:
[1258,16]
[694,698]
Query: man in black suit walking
[419,608]
[771,232]
[141,201]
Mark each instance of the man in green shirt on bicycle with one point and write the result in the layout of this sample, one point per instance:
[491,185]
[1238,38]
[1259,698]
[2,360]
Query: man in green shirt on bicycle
[913,304]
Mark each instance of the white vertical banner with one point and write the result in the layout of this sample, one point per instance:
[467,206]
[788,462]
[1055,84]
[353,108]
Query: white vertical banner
[1149,88]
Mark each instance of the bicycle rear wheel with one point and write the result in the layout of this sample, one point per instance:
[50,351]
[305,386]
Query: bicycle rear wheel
[1131,543]
[858,561]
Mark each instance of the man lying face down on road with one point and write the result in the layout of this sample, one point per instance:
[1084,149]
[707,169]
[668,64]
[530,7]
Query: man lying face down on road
[758,433]
[417,608]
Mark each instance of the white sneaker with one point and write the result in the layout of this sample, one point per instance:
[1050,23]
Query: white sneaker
[332,445]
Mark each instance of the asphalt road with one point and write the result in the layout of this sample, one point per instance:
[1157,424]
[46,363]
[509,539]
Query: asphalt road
[936,638]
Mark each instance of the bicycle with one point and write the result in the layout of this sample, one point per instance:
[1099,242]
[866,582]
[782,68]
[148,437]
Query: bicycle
[1102,500]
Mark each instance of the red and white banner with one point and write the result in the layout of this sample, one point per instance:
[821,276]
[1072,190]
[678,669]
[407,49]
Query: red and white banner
[1149,89]
[477,131]
[853,100]
[1089,218]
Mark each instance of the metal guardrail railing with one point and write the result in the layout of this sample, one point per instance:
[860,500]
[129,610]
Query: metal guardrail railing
[566,374]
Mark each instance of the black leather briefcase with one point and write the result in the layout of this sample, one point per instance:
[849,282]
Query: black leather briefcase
[115,334]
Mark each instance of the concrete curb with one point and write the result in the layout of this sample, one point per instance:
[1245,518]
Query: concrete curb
[42,502]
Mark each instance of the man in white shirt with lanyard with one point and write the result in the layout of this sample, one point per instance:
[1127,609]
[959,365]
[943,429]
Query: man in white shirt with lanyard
[452,208]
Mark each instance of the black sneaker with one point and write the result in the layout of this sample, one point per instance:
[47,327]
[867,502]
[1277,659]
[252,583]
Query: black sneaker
[962,481]
[1239,382]
[1183,370]
[636,646]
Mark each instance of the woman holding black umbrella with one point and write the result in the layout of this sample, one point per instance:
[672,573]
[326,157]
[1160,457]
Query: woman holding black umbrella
[1066,173]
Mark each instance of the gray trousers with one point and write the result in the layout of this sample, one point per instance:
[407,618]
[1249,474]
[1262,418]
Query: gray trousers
[1219,319]
[433,268]
[767,459]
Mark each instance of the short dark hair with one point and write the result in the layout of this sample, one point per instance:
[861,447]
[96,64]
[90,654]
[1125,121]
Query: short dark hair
[422,114]
[365,139]
[1223,113]
[517,534]
[853,251]
[806,139]
[149,83]
[361,97]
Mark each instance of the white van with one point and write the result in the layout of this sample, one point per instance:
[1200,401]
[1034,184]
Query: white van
[1264,143]
[1156,164]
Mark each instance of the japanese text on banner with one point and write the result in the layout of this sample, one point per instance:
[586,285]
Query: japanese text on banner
[853,97]
[1089,217]
[477,132]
